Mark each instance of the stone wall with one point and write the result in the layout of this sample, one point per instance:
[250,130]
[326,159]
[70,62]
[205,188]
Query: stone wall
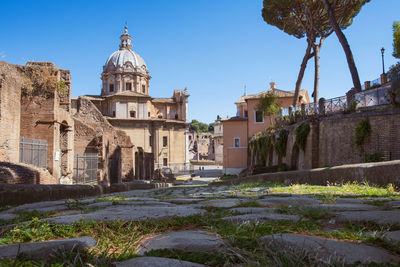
[380,173]
[45,104]
[331,141]
[11,81]
[94,134]
[19,173]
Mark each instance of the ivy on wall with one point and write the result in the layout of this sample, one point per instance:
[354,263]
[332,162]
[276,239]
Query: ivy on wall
[302,132]
[362,131]
[281,142]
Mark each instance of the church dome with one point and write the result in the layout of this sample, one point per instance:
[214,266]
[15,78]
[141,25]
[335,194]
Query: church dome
[125,54]
[120,57]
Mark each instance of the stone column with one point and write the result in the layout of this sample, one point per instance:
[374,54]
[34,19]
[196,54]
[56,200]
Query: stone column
[321,104]
[383,78]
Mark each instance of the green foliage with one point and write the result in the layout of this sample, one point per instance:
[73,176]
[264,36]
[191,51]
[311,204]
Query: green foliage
[61,86]
[362,131]
[199,127]
[374,157]
[281,142]
[396,39]
[352,108]
[269,104]
[302,132]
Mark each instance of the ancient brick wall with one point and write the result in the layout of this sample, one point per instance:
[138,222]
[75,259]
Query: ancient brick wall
[94,134]
[331,141]
[45,114]
[19,173]
[11,82]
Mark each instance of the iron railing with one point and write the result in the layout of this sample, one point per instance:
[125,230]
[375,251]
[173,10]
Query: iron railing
[33,151]
[85,169]
[335,105]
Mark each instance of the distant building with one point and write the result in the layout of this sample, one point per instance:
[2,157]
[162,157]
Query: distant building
[154,125]
[248,121]
[218,142]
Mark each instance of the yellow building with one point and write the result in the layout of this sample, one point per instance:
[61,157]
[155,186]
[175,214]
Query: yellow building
[155,125]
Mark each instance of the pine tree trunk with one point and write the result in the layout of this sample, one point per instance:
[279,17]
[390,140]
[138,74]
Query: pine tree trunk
[301,74]
[346,47]
[316,77]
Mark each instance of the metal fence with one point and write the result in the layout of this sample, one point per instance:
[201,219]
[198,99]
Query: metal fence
[337,104]
[85,169]
[33,151]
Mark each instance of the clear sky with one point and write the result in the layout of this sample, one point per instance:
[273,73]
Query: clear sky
[212,47]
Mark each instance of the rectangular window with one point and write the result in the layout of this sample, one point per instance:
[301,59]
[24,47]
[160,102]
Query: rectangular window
[236,142]
[150,140]
[111,88]
[132,113]
[113,113]
[246,113]
[258,116]
[165,162]
[128,86]
[143,89]
[165,141]
[148,114]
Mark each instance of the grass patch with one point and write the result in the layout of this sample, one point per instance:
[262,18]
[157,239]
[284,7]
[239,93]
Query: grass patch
[348,189]
[111,198]
[327,198]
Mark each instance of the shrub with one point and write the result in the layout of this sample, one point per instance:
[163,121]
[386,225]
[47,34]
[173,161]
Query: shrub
[374,157]
[363,130]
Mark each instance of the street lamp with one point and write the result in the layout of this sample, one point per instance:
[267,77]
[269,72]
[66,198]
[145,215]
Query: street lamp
[383,60]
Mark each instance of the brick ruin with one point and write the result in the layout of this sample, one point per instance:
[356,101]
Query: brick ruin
[35,103]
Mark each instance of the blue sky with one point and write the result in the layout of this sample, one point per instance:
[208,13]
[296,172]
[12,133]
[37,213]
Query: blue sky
[213,47]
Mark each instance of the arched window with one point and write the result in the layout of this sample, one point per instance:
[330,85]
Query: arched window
[132,113]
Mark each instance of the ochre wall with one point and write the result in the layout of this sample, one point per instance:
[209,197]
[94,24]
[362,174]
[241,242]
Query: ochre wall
[235,157]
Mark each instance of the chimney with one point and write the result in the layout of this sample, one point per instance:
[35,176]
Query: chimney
[272,84]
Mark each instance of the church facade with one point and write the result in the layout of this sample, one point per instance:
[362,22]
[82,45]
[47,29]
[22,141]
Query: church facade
[156,126]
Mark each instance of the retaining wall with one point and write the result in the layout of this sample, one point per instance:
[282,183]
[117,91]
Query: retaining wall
[17,194]
[381,173]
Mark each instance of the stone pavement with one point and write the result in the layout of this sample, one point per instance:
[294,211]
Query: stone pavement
[238,206]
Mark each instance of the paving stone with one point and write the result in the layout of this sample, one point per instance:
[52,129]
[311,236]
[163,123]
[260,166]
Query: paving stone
[378,216]
[348,207]
[8,216]
[296,201]
[393,237]
[100,204]
[38,205]
[221,203]
[327,250]
[187,240]
[394,203]
[140,199]
[346,200]
[130,213]
[262,218]
[255,210]
[155,262]
[183,200]
[43,249]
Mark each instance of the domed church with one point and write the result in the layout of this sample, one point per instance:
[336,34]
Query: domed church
[155,125]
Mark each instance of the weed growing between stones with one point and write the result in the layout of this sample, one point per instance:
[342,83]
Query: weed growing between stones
[111,198]
[24,215]
[307,212]
[117,240]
